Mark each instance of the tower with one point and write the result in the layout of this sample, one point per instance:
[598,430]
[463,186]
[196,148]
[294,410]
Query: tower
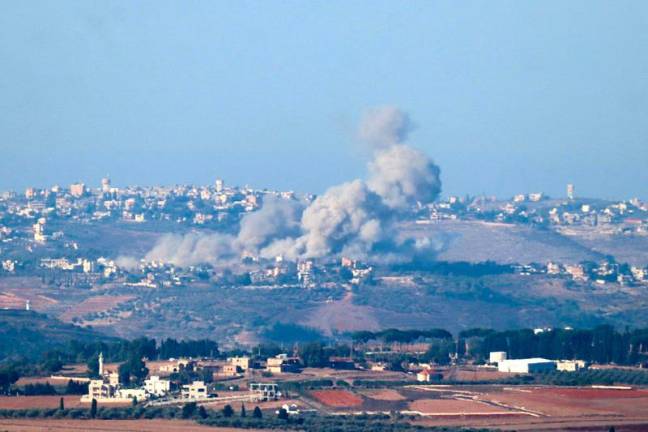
[219,185]
[100,364]
[105,185]
[27,305]
[570,191]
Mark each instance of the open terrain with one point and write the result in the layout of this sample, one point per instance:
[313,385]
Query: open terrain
[42,425]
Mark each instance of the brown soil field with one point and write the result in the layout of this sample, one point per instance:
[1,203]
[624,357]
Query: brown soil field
[555,401]
[595,393]
[337,398]
[25,402]
[454,406]
[37,380]
[42,425]
[384,395]
[15,290]
[94,304]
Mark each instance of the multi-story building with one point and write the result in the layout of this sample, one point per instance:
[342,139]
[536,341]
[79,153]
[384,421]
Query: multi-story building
[195,390]
[156,386]
[77,190]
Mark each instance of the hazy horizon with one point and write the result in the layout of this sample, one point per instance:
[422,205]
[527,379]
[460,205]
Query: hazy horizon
[505,97]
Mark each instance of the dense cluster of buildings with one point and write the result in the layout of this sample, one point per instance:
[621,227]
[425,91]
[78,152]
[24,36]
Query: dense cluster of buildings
[624,217]
[165,389]
[33,240]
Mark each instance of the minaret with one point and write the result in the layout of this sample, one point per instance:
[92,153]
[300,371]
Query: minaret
[101,364]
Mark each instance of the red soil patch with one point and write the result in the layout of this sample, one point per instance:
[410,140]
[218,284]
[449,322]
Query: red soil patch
[384,395]
[337,398]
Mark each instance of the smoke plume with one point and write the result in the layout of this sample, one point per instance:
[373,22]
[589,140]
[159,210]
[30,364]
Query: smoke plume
[357,219]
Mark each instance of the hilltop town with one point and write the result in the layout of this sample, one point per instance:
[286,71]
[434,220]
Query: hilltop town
[88,256]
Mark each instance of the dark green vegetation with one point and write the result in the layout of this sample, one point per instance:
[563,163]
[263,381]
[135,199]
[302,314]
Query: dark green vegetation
[39,389]
[28,334]
[602,344]
[201,310]
[502,301]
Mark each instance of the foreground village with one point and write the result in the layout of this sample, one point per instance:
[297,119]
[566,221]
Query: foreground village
[419,379]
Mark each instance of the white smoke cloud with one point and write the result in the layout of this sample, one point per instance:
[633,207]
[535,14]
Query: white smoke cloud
[384,126]
[193,248]
[355,219]
[348,215]
[277,218]
[403,176]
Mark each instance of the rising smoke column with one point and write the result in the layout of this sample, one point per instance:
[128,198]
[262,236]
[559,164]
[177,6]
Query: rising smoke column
[400,174]
[404,176]
[356,219]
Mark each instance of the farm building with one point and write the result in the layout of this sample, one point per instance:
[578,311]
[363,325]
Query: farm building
[497,356]
[570,365]
[529,365]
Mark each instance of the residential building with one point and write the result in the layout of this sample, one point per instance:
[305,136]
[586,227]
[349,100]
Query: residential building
[265,391]
[242,363]
[156,386]
[195,390]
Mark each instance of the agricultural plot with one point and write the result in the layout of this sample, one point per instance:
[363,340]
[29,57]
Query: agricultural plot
[26,402]
[337,398]
[38,425]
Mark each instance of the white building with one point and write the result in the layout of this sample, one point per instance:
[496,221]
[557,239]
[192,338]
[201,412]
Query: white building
[156,386]
[570,365]
[133,393]
[529,365]
[497,356]
[195,390]
[424,376]
[265,391]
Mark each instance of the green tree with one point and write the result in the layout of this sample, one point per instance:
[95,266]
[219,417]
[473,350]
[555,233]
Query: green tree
[93,408]
[257,413]
[228,411]
[8,376]
[243,413]
[313,355]
[61,404]
[188,409]
[283,414]
[202,412]
[93,366]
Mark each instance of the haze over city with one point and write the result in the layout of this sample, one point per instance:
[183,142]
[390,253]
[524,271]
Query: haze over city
[323,216]
[524,97]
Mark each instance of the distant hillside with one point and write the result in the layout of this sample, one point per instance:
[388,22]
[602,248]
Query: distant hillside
[29,334]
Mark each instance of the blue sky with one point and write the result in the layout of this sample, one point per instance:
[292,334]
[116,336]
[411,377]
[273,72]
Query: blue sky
[506,96]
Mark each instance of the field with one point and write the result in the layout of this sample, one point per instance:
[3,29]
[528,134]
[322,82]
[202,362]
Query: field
[337,398]
[499,407]
[38,425]
[94,304]
[24,402]
[383,395]
[454,407]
